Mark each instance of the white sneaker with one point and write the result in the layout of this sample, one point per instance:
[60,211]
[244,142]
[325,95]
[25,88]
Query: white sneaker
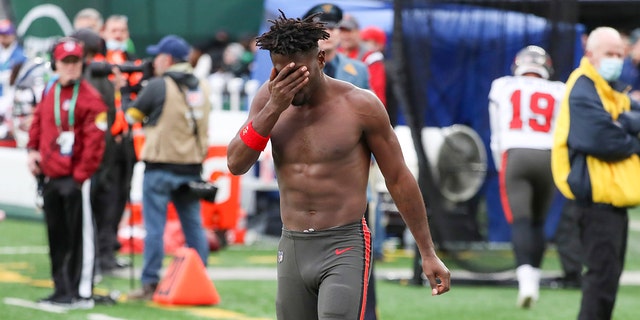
[528,286]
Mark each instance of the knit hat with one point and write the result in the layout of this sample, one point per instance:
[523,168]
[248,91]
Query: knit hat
[6,27]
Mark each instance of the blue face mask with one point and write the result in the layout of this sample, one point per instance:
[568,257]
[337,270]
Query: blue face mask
[610,68]
[116,45]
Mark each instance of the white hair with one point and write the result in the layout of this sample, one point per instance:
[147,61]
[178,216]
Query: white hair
[595,37]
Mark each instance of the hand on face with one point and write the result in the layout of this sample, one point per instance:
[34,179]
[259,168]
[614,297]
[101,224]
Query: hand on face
[284,85]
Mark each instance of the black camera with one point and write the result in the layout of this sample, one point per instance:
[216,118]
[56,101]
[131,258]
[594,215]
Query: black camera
[103,69]
[200,190]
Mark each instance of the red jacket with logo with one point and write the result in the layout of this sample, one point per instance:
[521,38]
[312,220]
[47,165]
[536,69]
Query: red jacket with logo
[89,126]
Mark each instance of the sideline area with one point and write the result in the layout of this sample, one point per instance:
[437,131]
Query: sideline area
[245,273]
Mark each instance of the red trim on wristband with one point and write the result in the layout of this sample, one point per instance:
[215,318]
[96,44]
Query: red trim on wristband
[252,138]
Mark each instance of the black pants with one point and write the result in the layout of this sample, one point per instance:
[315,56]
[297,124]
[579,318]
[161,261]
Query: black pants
[603,232]
[567,239]
[109,196]
[71,237]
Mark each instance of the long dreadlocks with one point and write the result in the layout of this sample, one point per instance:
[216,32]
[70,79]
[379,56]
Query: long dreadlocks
[288,36]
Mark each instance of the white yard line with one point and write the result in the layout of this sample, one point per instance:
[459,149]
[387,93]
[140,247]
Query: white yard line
[34,305]
[24,250]
[634,225]
[98,316]
[53,309]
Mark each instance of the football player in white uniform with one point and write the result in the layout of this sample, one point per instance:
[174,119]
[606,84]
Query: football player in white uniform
[522,111]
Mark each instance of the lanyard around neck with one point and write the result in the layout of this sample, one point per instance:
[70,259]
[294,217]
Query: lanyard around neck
[72,105]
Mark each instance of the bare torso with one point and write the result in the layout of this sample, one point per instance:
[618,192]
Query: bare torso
[322,162]
[323,134]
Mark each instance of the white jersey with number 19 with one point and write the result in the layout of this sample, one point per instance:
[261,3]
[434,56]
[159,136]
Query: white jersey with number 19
[522,112]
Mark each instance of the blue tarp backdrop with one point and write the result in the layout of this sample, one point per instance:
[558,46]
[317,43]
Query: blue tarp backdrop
[453,54]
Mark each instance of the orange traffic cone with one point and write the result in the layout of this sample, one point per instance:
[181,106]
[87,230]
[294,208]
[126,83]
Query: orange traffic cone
[186,282]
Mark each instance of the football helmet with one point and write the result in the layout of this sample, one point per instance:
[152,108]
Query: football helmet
[532,59]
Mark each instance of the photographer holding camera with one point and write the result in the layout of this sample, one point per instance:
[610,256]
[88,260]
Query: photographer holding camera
[174,109]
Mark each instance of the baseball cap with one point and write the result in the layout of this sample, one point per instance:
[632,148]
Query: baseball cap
[67,47]
[374,34]
[330,14]
[349,22]
[6,27]
[172,45]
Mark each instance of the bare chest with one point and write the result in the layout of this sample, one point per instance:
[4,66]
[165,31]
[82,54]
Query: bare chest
[316,137]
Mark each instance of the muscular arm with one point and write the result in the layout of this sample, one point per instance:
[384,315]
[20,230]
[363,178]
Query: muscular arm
[240,157]
[404,190]
[271,100]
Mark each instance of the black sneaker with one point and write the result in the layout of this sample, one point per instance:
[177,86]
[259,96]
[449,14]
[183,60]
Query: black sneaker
[48,298]
[57,300]
[67,302]
[108,300]
[566,282]
[111,265]
[122,262]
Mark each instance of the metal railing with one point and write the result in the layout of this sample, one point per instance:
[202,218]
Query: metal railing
[234,94]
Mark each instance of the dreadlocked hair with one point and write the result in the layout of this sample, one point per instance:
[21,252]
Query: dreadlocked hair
[288,36]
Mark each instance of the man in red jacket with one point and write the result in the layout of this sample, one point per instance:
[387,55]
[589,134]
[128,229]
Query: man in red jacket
[66,143]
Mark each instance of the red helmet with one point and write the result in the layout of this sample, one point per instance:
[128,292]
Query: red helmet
[532,59]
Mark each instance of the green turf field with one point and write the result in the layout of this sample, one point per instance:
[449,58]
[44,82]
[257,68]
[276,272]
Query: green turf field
[24,278]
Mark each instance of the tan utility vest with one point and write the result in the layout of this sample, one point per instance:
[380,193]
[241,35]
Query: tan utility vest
[172,139]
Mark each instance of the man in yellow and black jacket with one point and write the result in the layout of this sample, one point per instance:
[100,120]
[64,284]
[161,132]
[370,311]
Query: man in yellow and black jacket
[595,162]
